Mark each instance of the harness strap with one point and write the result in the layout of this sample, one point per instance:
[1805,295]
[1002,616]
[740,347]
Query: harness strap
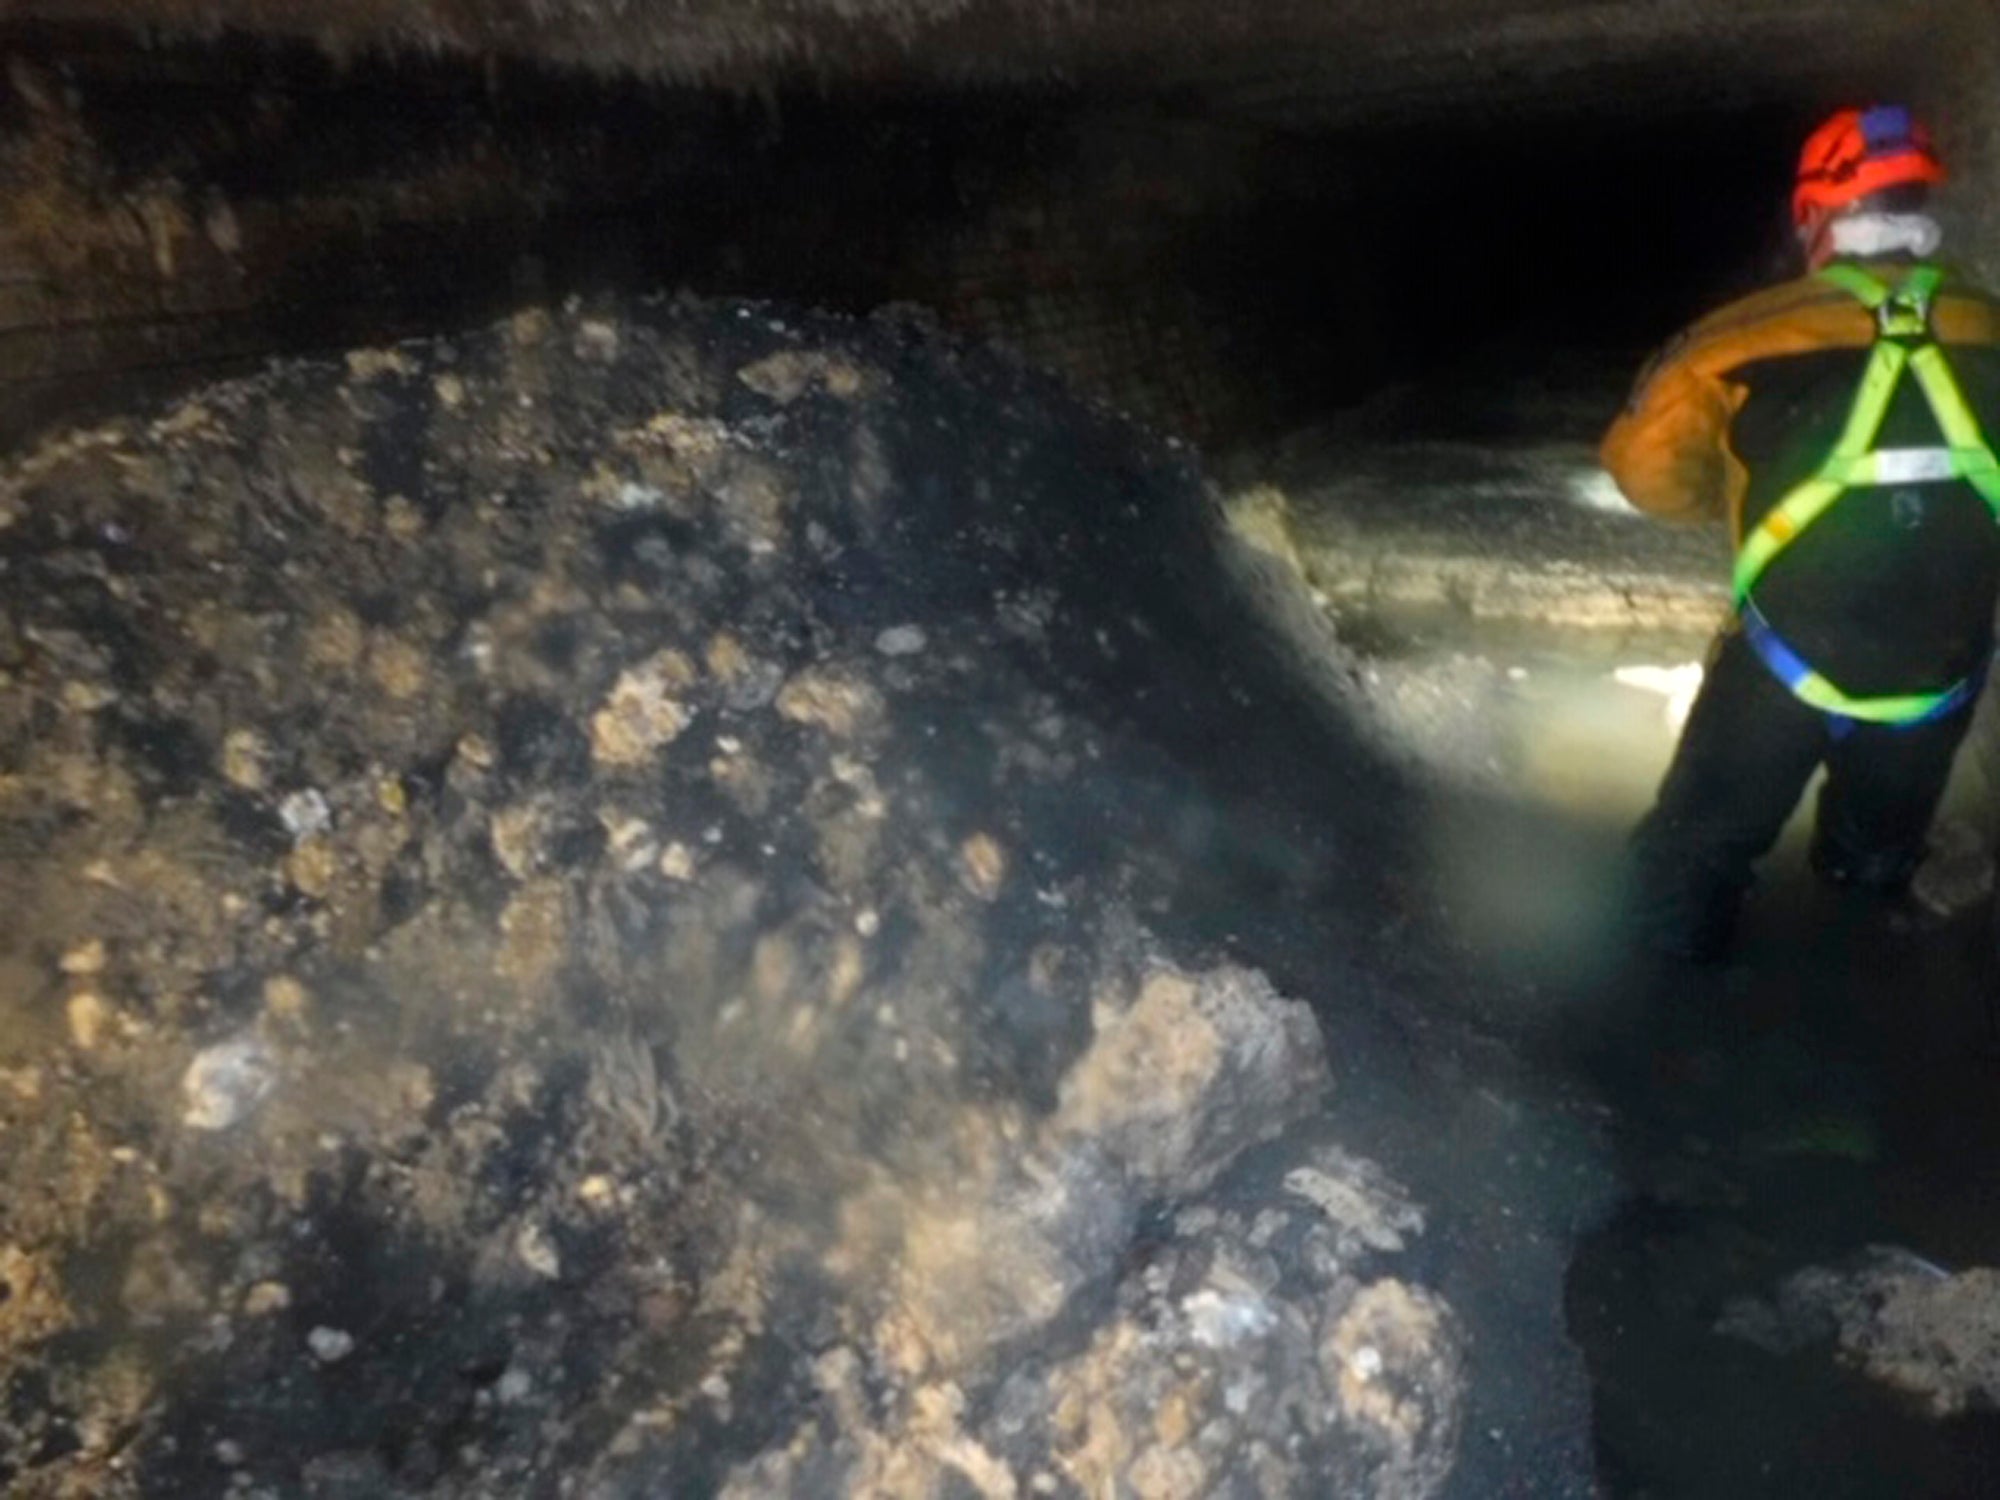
[1903,344]
[1972,457]
[1915,294]
[1809,500]
[1904,711]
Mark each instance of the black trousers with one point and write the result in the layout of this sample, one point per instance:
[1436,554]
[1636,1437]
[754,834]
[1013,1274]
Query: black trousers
[1744,758]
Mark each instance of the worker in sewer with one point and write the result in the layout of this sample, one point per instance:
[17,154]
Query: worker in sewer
[1838,425]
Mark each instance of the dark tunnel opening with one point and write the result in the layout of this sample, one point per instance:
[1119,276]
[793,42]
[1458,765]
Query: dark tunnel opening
[1386,329]
[1578,231]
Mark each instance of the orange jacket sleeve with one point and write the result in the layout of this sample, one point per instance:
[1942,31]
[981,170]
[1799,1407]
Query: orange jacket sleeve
[1668,451]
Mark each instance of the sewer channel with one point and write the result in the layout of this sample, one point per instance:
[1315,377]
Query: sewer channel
[1808,1136]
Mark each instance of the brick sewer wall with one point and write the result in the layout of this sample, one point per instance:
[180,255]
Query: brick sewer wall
[1144,259]
[1968,108]
[163,218]
[168,213]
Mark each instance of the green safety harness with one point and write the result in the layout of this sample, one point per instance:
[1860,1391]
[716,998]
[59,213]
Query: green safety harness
[1903,342]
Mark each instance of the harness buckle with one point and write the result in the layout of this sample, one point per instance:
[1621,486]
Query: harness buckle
[1904,314]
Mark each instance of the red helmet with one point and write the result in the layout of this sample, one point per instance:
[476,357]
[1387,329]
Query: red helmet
[1859,152]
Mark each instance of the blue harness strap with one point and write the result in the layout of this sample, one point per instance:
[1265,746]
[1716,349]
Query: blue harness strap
[1790,668]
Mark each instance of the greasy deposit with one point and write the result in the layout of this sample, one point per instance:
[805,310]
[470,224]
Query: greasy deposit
[589,909]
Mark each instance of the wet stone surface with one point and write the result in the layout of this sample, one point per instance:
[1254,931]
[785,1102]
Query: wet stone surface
[563,929]
[1910,1324]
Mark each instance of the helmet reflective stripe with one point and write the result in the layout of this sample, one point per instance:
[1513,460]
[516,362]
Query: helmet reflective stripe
[1855,462]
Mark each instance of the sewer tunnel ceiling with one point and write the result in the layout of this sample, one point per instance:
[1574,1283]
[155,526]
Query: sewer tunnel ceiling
[1295,63]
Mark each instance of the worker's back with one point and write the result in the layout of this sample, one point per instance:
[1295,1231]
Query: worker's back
[1893,587]
[1839,424]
